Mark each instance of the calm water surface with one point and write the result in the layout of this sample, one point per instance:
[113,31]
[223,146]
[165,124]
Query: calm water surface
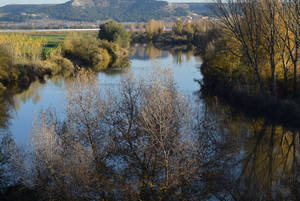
[39,96]
[254,157]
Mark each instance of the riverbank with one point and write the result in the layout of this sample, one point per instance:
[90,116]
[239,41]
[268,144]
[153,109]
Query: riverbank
[275,110]
[29,57]
[196,34]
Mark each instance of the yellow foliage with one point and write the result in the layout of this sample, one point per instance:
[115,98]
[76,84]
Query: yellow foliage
[154,27]
[22,48]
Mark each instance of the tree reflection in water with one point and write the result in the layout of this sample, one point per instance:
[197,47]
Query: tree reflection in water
[252,159]
[232,157]
[149,51]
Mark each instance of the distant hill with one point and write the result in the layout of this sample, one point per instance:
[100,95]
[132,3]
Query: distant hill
[93,10]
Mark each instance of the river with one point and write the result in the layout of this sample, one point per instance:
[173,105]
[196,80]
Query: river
[40,96]
[253,157]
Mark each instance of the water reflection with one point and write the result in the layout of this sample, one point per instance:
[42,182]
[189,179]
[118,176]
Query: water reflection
[146,52]
[180,54]
[253,159]
[18,110]
[5,111]
[246,159]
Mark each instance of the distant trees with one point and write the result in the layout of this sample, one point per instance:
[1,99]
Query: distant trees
[177,27]
[154,28]
[114,32]
[194,33]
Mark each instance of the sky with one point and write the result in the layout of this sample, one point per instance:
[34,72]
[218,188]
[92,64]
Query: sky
[5,2]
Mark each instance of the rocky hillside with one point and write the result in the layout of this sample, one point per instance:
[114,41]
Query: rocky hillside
[93,10]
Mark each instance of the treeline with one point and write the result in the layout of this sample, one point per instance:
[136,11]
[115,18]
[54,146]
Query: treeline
[257,49]
[23,59]
[196,33]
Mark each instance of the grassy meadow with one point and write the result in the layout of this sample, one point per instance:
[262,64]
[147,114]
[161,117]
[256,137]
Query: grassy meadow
[53,38]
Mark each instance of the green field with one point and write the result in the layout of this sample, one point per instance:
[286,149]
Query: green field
[54,38]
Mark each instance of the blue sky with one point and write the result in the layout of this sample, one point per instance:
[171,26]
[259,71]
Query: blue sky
[5,2]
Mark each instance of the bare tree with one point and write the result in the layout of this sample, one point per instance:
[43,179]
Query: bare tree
[157,144]
[269,13]
[131,143]
[242,19]
[290,15]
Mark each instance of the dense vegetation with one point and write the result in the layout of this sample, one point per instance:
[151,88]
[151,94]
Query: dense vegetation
[122,11]
[252,62]
[260,50]
[251,55]
[21,59]
[196,34]
[114,32]
[25,58]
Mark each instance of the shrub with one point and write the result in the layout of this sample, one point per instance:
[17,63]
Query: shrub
[114,32]
[127,145]
[101,59]
[80,49]
[22,48]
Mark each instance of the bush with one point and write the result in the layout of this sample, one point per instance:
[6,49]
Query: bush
[79,49]
[114,32]
[22,48]
[119,56]
[87,52]
[101,59]
[130,144]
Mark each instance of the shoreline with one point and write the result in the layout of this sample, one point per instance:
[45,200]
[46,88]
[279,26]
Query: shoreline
[277,111]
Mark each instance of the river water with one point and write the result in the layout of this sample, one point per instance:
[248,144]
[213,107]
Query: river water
[253,156]
[39,96]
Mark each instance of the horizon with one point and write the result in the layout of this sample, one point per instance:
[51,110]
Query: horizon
[11,2]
